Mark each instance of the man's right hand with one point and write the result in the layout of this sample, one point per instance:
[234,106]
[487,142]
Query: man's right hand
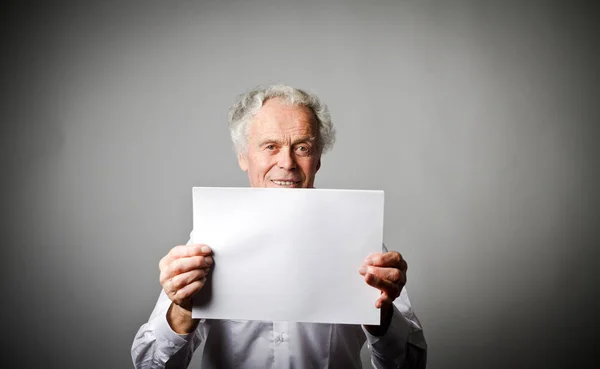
[183,273]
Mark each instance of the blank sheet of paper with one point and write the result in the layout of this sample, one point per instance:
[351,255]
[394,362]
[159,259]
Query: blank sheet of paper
[288,254]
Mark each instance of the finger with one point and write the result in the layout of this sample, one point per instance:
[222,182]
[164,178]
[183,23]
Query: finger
[385,286]
[386,259]
[183,265]
[383,299]
[188,291]
[393,275]
[185,251]
[181,280]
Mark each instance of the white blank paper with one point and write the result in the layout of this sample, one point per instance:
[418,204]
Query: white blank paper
[288,254]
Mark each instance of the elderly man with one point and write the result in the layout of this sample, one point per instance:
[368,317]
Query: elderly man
[280,133]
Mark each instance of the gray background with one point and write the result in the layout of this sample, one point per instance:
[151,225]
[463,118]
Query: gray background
[478,119]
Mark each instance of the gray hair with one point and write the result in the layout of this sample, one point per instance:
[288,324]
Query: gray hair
[248,104]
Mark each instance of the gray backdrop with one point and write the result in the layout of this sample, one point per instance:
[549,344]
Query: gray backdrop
[477,118]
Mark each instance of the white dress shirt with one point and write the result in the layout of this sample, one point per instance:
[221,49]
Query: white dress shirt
[261,344]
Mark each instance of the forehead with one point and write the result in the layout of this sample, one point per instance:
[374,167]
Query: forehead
[278,117]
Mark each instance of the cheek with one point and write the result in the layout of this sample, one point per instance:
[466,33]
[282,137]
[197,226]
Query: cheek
[260,165]
[309,167]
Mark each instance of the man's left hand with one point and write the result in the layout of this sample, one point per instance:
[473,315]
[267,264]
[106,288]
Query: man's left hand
[386,272]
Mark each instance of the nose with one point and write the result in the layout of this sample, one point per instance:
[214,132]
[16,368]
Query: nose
[286,159]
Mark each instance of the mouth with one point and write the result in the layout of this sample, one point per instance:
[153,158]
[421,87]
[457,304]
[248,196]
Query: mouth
[285,183]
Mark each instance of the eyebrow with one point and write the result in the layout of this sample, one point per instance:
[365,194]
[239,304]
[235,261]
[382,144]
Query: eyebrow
[280,142]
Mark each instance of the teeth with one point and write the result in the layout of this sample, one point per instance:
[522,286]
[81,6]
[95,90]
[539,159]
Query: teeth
[284,183]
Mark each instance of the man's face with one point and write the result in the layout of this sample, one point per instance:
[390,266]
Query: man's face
[282,147]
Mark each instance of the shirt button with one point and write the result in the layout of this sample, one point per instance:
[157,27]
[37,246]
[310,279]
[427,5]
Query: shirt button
[171,344]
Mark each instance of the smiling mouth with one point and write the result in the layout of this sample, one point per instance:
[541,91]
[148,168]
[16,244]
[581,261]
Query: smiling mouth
[285,183]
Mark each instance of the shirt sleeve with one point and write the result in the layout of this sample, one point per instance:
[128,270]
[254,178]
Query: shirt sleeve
[156,345]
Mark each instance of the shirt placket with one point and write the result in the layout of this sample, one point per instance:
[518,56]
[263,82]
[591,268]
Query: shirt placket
[281,345]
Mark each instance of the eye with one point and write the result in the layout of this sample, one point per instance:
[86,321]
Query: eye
[302,150]
[270,147]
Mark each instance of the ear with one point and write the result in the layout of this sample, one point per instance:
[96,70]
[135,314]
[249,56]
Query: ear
[243,162]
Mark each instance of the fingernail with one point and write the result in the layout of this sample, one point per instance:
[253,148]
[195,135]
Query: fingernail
[362,270]
[205,249]
[368,260]
[208,260]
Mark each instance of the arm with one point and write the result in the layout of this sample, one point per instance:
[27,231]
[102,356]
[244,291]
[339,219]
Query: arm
[157,345]
[398,342]
[403,344]
[170,336]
